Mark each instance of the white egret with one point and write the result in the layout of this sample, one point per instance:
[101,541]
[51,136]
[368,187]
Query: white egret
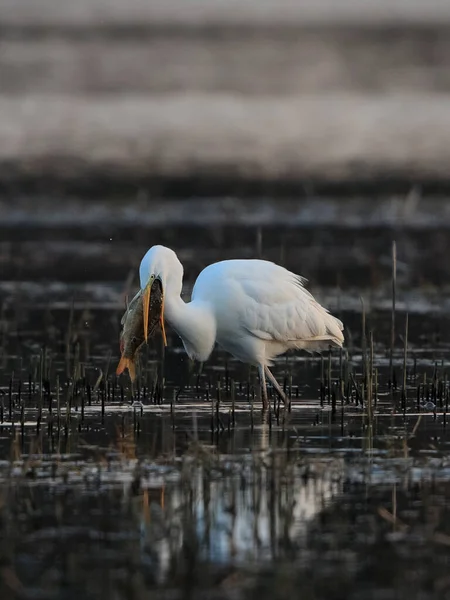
[254,309]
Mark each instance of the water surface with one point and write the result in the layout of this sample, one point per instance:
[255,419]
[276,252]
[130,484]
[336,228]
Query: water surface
[177,487]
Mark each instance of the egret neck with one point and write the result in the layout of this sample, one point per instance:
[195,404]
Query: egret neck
[194,322]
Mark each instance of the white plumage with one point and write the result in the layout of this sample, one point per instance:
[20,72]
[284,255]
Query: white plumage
[254,309]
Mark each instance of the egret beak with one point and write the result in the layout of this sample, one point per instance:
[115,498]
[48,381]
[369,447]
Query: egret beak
[161,320]
[146,302]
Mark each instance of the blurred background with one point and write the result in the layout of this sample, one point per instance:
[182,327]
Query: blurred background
[315,133]
[135,119]
[197,96]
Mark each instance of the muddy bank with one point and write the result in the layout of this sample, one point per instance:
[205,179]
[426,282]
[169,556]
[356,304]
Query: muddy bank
[326,253]
[48,216]
[256,61]
[99,46]
[106,13]
[225,138]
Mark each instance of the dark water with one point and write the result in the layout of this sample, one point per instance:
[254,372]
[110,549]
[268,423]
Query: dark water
[177,487]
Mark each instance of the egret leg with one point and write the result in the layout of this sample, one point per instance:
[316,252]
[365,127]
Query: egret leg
[262,380]
[276,385]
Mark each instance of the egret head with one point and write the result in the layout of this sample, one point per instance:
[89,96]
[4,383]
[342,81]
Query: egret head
[159,263]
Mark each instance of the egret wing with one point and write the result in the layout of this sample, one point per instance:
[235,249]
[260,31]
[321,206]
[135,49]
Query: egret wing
[267,301]
[282,310]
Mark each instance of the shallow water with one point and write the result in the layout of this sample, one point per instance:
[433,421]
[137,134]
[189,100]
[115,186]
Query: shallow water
[177,487]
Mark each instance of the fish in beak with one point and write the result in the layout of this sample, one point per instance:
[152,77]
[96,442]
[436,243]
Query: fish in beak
[146,297]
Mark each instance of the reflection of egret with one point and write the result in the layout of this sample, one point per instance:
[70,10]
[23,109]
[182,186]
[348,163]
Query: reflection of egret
[254,309]
[271,505]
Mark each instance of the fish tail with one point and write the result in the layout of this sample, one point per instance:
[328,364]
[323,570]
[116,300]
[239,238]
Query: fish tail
[132,370]
[123,364]
[126,363]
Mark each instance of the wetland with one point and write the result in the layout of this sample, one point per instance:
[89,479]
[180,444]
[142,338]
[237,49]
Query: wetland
[175,486]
